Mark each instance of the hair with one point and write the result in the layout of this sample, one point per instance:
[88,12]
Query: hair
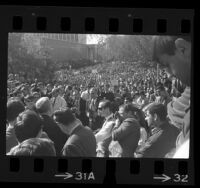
[14,108]
[138,113]
[28,125]
[107,104]
[159,109]
[93,90]
[142,93]
[34,147]
[43,105]
[64,116]
[165,45]
[160,87]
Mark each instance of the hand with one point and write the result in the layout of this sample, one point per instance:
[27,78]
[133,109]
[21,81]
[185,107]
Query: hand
[117,115]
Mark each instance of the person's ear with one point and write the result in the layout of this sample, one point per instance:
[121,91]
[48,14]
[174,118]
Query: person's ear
[155,117]
[183,47]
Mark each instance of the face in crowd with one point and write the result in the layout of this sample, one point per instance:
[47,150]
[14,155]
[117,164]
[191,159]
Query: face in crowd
[49,88]
[174,55]
[93,93]
[150,119]
[123,114]
[102,110]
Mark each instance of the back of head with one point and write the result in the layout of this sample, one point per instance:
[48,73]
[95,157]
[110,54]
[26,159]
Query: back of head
[14,108]
[43,105]
[34,147]
[160,88]
[107,104]
[159,109]
[28,125]
[165,45]
[130,108]
[92,90]
[64,116]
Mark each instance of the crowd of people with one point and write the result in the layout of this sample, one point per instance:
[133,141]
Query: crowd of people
[120,110]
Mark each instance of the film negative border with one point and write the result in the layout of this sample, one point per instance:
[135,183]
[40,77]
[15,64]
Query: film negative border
[130,21]
[94,170]
[99,20]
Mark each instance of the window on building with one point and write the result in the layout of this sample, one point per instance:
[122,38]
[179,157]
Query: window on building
[68,37]
[54,36]
[50,36]
[73,38]
[46,35]
[76,38]
[57,37]
[64,36]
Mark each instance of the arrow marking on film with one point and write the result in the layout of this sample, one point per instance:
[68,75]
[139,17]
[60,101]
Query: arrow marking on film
[163,178]
[66,175]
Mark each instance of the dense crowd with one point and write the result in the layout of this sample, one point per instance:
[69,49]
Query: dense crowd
[120,110]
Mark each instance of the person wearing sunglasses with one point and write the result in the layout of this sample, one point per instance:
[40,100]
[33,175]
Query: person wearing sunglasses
[103,137]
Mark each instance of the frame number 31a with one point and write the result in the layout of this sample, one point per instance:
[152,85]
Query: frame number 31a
[84,176]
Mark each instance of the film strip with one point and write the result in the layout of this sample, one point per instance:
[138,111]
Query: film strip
[126,21]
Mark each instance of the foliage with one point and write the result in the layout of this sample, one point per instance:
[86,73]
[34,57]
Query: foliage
[126,48]
[28,56]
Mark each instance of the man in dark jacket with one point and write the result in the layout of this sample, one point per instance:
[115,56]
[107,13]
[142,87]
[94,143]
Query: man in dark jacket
[163,139]
[81,142]
[44,108]
[14,108]
[125,136]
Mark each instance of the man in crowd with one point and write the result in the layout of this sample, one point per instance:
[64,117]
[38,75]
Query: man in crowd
[103,137]
[41,89]
[49,90]
[126,133]
[163,138]
[174,55]
[163,96]
[14,108]
[44,108]
[83,106]
[107,94]
[58,102]
[142,100]
[29,125]
[92,109]
[34,147]
[68,97]
[29,101]
[81,141]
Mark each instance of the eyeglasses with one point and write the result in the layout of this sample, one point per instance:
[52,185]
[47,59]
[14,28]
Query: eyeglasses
[100,108]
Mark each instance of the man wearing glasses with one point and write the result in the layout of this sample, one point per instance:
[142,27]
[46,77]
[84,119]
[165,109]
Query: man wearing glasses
[103,137]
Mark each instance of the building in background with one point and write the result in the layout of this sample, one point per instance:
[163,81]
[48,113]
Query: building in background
[65,47]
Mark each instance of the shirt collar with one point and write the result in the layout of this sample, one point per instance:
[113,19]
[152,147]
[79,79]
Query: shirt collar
[109,117]
[77,124]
